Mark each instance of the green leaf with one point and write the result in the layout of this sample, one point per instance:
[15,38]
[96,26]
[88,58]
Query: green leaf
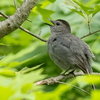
[89,79]
[13,64]
[5,93]
[87,10]
[79,12]
[71,3]
[26,87]
[80,8]
[96,46]
[45,13]
[95,94]
[20,86]
[52,1]
[96,65]
[96,10]
[7,72]
[30,69]
[91,2]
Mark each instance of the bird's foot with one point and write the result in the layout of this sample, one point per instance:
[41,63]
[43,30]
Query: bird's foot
[63,73]
[72,72]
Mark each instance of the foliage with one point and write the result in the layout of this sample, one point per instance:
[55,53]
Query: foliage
[18,87]
[85,10]
[20,53]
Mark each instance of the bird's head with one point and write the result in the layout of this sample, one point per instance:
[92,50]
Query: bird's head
[60,26]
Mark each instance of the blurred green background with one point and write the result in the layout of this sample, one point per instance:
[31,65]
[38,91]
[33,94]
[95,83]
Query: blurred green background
[19,51]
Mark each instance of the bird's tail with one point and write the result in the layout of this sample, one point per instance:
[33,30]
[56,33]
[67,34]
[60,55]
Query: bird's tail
[89,72]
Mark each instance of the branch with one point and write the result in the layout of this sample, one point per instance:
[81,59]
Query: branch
[89,27]
[3,15]
[75,87]
[90,34]
[25,30]
[13,22]
[53,80]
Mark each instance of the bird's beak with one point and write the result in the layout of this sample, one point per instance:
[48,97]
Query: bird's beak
[52,23]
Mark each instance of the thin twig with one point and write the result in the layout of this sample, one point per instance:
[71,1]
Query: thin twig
[40,32]
[89,27]
[4,15]
[15,4]
[90,34]
[25,30]
[29,20]
[74,87]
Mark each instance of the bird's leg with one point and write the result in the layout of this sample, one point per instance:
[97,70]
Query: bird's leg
[64,73]
[72,72]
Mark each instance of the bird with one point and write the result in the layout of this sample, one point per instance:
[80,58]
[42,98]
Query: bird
[66,50]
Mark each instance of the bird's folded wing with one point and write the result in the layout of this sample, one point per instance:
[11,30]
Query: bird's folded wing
[81,54]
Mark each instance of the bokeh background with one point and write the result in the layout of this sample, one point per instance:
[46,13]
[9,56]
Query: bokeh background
[20,52]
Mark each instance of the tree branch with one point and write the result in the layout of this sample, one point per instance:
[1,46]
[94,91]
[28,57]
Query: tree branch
[13,22]
[25,30]
[90,34]
[74,87]
[53,80]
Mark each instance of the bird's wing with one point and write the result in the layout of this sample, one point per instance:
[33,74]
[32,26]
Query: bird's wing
[81,53]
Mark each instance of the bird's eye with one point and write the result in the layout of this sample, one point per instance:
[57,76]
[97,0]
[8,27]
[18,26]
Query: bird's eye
[57,23]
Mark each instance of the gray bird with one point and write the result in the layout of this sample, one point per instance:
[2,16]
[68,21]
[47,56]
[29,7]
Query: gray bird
[68,51]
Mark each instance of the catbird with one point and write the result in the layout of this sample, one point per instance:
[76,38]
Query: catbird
[66,50]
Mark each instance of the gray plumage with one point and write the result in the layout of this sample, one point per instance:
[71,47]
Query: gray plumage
[66,50]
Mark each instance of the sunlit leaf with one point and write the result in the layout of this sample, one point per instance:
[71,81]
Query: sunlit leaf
[96,10]
[70,3]
[95,94]
[45,13]
[20,87]
[45,3]
[79,12]
[80,8]
[52,1]
[89,79]
[26,87]
[8,73]
[91,2]
[30,69]
[5,93]
[87,10]
[13,64]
